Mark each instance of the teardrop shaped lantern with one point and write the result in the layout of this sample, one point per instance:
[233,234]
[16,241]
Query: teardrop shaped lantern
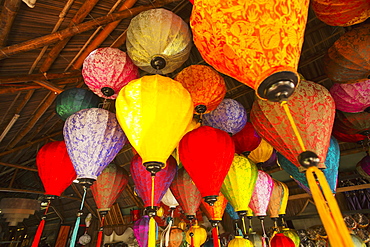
[196,235]
[344,137]
[229,116]
[73,100]
[207,153]
[284,199]
[107,70]
[141,230]
[352,123]
[313,110]
[172,38]
[169,199]
[262,153]
[279,240]
[352,97]
[334,13]
[246,140]
[264,56]
[239,241]
[261,194]
[154,111]
[275,200]
[205,85]
[347,61]
[93,138]
[55,168]
[186,193]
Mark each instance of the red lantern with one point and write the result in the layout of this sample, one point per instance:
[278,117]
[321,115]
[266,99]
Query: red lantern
[343,137]
[246,140]
[55,167]
[280,240]
[352,123]
[186,193]
[207,154]
[215,212]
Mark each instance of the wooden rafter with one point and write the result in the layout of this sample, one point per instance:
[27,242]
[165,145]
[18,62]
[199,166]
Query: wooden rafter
[39,77]
[7,16]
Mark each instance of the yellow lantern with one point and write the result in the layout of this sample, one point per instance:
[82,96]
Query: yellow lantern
[239,241]
[182,225]
[293,235]
[154,112]
[262,153]
[284,200]
[196,235]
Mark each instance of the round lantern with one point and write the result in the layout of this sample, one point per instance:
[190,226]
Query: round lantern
[55,168]
[262,153]
[205,85]
[107,70]
[196,236]
[352,97]
[93,138]
[357,241]
[313,110]
[264,56]
[279,240]
[334,14]
[172,38]
[256,239]
[246,140]
[176,237]
[207,153]
[73,100]
[154,136]
[186,193]
[348,59]
[363,166]
[169,200]
[343,137]
[293,235]
[239,241]
[229,116]
[261,194]
[352,123]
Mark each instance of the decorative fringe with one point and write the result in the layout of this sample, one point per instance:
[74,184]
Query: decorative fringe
[100,234]
[40,228]
[152,233]
[167,238]
[328,209]
[216,240]
[77,224]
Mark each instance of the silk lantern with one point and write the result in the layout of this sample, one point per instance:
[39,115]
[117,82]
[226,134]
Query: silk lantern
[352,123]
[229,116]
[246,140]
[73,100]
[347,60]
[334,13]
[93,138]
[169,199]
[205,85]
[239,241]
[141,229]
[343,137]
[154,111]
[293,235]
[107,70]
[172,38]
[275,201]
[176,237]
[272,161]
[352,97]
[207,153]
[257,43]
[262,153]
[313,109]
[186,193]
[284,199]
[279,240]
[196,235]
[363,166]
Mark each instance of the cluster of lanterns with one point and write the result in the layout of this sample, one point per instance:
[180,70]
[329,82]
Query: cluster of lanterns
[219,159]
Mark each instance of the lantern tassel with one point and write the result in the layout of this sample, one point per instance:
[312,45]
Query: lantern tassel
[77,224]
[40,228]
[216,240]
[328,209]
[152,238]
[100,234]
[167,239]
[244,227]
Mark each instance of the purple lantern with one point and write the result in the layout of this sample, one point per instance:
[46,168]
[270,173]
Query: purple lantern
[93,138]
[261,194]
[363,166]
[229,116]
[272,161]
[352,97]
[141,230]
[107,70]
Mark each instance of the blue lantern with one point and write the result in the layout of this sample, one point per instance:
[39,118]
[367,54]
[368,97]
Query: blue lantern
[231,211]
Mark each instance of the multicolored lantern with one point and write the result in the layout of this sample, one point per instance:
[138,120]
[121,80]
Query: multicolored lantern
[173,38]
[262,153]
[246,140]
[334,14]
[352,123]
[279,239]
[73,100]
[229,116]
[264,56]
[207,153]
[107,70]
[347,61]
[352,97]
[93,138]
[343,137]
[239,241]
[215,212]
[205,85]
[196,235]
[136,104]
[186,193]
[313,110]
[293,235]
[141,230]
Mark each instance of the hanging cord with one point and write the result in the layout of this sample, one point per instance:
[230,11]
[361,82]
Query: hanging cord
[40,228]
[77,224]
[264,235]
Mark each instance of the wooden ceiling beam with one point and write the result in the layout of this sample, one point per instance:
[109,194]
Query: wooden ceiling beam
[18,166]
[7,16]
[77,29]
[39,77]
[13,190]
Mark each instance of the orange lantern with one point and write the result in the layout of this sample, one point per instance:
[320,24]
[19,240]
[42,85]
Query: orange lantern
[256,42]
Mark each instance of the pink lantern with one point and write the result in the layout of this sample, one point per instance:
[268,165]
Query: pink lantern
[107,70]
[352,97]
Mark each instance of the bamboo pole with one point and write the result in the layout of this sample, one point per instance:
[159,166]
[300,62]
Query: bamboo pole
[50,86]
[39,77]
[80,28]
[6,89]
[34,192]
[7,16]
[18,166]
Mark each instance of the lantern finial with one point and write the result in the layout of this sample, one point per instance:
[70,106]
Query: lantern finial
[278,87]
[201,109]
[107,91]
[86,182]
[308,158]
[210,200]
[158,62]
[153,167]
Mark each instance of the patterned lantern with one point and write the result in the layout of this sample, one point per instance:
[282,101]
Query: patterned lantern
[293,235]
[141,229]
[257,43]
[172,36]
[154,136]
[352,97]
[363,166]
[15,210]
[207,153]
[107,70]
[143,180]
[347,61]
[239,241]
[343,137]
[215,212]
[231,211]
[176,237]
[196,235]
[169,200]
[334,13]
[229,116]
[275,200]
[186,193]
[262,153]
[279,239]
[206,87]
[246,140]
[93,138]
[55,168]
[313,110]
[73,100]
[352,123]
[331,171]
[261,194]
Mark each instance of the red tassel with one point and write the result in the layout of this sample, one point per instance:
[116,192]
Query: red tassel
[100,234]
[216,242]
[191,239]
[36,240]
